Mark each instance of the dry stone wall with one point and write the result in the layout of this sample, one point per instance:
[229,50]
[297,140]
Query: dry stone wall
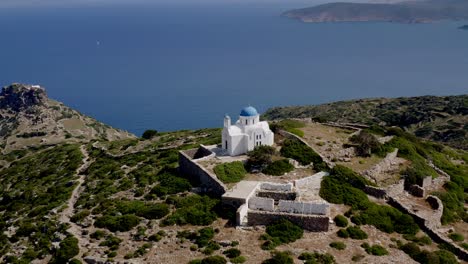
[302,207]
[209,183]
[430,226]
[307,222]
[375,191]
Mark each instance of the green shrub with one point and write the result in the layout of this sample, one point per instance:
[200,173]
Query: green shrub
[214,260]
[343,233]
[279,257]
[98,234]
[80,216]
[423,240]
[260,157]
[112,242]
[338,245]
[340,221]
[456,237]
[193,209]
[68,248]
[149,134]
[230,172]
[366,144]
[117,223]
[376,250]
[278,168]
[281,232]
[356,233]
[232,253]
[238,260]
[302,153]
[170,184]
[317,258]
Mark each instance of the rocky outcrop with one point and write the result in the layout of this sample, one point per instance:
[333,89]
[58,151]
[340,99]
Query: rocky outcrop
[17,97]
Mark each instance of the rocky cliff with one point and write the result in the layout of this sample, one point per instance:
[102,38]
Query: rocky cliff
[29,118]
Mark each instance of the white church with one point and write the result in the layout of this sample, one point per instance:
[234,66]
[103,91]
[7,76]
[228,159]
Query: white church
[247,133]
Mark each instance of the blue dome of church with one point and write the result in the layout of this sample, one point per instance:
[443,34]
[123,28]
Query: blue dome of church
[249,111]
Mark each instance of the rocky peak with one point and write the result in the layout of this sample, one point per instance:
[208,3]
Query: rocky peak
[20,96]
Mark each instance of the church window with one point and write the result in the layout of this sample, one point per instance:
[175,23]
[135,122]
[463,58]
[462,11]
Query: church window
[246,121]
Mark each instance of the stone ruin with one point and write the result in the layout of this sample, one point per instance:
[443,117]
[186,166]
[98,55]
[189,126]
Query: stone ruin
[262,209]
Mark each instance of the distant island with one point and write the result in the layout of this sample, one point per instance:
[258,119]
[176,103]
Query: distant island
[403,12]
[465,27]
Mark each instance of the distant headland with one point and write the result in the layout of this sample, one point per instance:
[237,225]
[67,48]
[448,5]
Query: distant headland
[465,27]
[403,12]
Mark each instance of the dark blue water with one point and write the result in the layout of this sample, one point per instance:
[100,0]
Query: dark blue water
[177,67]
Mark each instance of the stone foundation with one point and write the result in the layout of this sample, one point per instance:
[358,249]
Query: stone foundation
[307,222]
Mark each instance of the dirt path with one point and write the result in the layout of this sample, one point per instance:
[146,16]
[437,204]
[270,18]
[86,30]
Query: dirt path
[68,212]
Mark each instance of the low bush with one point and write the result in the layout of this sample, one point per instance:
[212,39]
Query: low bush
[238,260]
[210,260]
[356,233]
[302,153]
[230,172]
[280,257]
[149,134]
[170,184]
[98,234]
[278,168]
[340,221]
[424,256]
[117,223]
[342,233]
[112,242]
[68,248]
[232,253]
[376,250]
[193,209]
[281,232]
[317,258]
[260,157]
[338,245]
[422,240]
[456,237]
[80,216]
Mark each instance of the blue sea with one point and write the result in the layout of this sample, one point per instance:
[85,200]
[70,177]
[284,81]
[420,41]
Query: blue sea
[183,66]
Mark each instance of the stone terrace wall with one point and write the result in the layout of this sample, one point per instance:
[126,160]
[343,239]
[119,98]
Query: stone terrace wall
[430,227]
[264,204]
[208,181]
[302,207]
[375,191]
[307,222]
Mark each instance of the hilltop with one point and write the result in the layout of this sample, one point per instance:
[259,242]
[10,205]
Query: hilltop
[28,117]
[402,12]
[99,199]
[443,119]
